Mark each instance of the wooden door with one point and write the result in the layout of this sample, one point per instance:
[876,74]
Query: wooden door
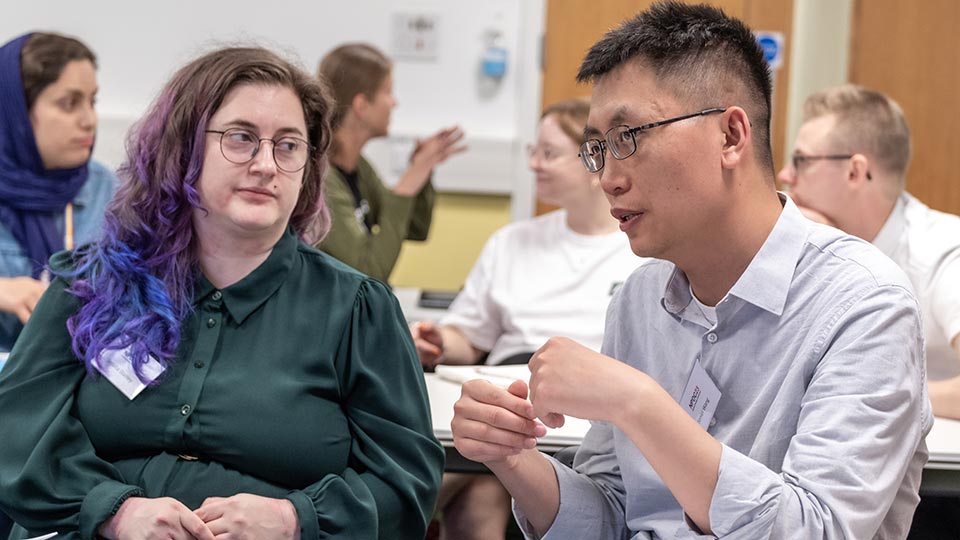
[911,52]
[573,26]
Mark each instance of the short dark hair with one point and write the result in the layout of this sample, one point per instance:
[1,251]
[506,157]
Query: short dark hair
[42,59]
[699,53]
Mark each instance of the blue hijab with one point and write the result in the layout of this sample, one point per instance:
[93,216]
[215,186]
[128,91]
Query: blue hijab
[30,196]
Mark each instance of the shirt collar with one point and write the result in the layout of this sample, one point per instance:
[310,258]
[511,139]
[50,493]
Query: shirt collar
[889,235]
[83,196]
[245,296]
[766,281]
[676,297]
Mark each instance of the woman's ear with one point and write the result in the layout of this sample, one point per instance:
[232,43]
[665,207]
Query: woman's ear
[737,136]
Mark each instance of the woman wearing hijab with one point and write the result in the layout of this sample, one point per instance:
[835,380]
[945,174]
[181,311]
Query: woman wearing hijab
[52,196]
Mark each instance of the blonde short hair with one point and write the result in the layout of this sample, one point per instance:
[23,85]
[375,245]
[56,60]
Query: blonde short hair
[571,115]
[867,122]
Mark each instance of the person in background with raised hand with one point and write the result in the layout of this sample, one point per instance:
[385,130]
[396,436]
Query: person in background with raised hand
[550,275]
[52,194]
[763,378]
[370,220]
[175,382]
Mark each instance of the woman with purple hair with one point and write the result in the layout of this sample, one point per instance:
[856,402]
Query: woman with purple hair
[200,372]
[52,195]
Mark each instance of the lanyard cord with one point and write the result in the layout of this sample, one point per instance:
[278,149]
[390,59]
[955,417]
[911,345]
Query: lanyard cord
[68,227]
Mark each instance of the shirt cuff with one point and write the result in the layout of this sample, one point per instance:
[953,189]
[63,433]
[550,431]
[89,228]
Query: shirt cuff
[403,202]
[102,502]
[579,515]
[306,514]
[746,495]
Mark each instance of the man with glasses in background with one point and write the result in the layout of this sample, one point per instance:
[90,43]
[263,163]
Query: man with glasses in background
[764,379]
[849,170]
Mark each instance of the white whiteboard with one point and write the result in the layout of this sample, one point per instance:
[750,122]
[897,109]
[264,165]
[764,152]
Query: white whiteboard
[140,44]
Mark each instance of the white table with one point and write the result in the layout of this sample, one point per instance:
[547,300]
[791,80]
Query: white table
[444,393]
[941,475]
[943,442]
[408,298]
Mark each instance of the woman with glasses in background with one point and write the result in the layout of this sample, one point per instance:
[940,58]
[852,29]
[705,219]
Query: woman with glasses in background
[552,275]
[370,220]
[52,195]
[174,383]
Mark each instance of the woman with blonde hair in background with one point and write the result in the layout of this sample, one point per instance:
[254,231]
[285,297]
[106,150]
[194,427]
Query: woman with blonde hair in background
[552,275]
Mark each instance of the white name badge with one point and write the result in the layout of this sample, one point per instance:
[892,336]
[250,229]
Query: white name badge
[117,367]
[44,537]
[701,396]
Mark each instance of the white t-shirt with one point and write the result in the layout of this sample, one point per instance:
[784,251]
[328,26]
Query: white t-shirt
[926,245]
[536,279]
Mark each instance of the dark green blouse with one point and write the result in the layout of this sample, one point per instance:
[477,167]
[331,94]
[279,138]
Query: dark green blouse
[300,382]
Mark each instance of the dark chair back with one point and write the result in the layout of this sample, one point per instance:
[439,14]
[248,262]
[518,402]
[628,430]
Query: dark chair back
[5,525]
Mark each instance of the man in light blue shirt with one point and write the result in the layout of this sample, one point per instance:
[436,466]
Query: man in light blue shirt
[765,379]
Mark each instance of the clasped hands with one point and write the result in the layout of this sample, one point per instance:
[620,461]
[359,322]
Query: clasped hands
[243,516]
[491,424]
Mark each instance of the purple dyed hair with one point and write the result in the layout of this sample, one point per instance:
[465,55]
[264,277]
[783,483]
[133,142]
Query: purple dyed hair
[136,285]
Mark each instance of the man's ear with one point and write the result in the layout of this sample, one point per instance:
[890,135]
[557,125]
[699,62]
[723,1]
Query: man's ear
[858,171]
[737,136]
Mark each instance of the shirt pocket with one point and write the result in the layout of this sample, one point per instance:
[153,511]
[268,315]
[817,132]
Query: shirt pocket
[13,263]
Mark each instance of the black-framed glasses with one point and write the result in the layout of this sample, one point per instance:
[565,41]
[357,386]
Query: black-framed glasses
[797,160]
[622,140]
[240,145]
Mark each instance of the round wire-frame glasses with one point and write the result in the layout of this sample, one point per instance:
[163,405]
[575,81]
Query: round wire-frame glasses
[240,145]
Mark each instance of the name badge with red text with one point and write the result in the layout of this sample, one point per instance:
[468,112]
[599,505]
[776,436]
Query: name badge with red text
[701,396]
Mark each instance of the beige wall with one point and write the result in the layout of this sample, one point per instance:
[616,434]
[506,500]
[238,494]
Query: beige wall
[461,225]
[819,55]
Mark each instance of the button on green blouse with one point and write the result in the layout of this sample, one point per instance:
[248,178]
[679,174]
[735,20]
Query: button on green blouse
[300,382]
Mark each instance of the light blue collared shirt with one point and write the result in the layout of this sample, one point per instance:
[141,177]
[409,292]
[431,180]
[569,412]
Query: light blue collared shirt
[88,210]
[818,352]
